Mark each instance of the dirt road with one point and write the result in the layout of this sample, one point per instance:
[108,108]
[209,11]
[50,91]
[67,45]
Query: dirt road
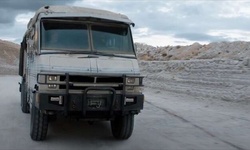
[169,121]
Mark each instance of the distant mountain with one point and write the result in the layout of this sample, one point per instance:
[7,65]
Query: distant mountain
[228,50]
[9,56]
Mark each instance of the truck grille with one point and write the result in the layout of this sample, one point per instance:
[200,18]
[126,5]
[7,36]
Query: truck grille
[88,79]
[78,82]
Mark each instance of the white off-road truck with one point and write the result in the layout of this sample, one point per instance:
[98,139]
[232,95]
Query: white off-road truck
[80,62]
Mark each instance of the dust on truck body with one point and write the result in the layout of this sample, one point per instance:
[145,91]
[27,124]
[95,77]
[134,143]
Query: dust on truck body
[80,62]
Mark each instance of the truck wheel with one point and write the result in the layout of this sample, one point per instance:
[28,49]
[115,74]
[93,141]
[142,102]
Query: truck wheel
[38,125]
[24,104]
[52,118]
[122,126]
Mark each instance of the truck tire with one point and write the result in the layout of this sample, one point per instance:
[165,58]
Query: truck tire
[38,125]
[122,126]
[24,104]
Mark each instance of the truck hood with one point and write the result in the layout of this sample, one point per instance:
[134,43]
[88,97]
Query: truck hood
[83,64]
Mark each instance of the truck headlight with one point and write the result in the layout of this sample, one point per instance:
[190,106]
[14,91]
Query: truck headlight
[52,78]
[130,80]
[133,81]
[47,79]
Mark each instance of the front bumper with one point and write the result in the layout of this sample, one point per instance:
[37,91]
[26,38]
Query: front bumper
[86,103]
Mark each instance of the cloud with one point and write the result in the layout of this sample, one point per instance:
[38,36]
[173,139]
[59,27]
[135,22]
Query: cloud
[156,21]
[162,40]
[15,15]
[6,16]
[30,5]
[201,37]
[193,20]
[11,8]
[231,35]
[24,18]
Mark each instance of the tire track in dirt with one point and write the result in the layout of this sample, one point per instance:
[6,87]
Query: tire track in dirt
[196,126]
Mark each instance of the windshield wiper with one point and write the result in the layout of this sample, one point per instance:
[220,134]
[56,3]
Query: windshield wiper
[112,55]
[78,52]
[65,52]
[61,51]
[89,56]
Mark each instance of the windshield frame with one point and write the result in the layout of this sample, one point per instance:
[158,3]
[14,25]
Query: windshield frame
[88,23]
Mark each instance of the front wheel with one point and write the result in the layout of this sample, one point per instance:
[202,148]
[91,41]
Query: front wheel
[122,126]
[38,124]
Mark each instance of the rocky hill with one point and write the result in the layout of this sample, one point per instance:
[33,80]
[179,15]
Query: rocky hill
[9,53]
[217,70]
[230,50]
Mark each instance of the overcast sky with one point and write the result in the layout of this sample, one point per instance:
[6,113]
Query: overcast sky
[158,22]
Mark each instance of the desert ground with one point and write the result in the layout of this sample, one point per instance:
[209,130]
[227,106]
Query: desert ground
[169,121]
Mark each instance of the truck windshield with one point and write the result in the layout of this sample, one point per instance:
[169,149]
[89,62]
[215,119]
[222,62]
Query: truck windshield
[73,35]
[112,39]
[64,36]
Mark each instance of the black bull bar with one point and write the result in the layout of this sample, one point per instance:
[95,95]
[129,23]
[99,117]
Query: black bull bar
[84,106]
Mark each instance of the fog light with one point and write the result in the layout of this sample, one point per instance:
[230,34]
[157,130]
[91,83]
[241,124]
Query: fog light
[52,86]
[58,99]
[129,88]
[129,100]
